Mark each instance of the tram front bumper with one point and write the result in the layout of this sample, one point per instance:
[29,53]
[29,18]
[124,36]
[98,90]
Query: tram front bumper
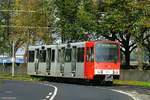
[106,72]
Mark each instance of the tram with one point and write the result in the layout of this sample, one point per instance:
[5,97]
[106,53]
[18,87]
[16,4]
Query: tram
[88,60]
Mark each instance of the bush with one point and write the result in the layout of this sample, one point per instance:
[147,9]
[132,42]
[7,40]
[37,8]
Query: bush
[146,66]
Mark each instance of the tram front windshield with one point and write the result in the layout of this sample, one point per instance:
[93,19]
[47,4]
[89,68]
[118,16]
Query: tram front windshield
[106,52]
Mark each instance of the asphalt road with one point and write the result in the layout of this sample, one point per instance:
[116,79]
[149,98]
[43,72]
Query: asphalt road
[17,90]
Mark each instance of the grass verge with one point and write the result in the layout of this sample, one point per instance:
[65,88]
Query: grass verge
[133,83]
[8,76]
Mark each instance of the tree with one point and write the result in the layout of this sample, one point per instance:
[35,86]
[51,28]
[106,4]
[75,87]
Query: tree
[120,22]
[4,31]
[26,22]
[67,15]
[87,22]
[142,37]
[146,43]
[31,22]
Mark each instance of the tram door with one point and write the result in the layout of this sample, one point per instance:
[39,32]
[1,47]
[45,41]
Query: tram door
[62,61]
[36,63]
[74,60]
[48,60]
[89,63]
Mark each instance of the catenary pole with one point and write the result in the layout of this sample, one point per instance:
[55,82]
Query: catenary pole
[13,59]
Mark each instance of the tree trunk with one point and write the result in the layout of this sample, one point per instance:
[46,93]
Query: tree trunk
[140,57]
[127,58]
[149,57]
[26,53]
[8,20]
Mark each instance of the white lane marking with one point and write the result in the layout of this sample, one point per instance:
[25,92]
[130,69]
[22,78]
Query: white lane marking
[55,90]
[125,93]
[8,98]
[120,91]
[8,91]
[47,97]
[50,93]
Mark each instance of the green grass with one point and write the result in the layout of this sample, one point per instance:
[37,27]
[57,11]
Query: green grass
[134,83]
[0,83]
[7,76]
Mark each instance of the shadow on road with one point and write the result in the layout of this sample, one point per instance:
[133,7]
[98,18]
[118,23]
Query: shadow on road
[76,81]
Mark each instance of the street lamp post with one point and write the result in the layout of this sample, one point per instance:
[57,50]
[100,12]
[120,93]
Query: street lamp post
[13,59]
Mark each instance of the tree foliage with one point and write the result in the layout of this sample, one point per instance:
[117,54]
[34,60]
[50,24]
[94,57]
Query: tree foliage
[87,15]
[35,19]
[127,21]
[29,21]
[122,21]
[67,15]
[4,32]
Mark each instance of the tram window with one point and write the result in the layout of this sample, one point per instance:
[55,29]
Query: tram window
[90,54]
[68,55]
[80,55]
[53,55]
[31,56]
[42,56]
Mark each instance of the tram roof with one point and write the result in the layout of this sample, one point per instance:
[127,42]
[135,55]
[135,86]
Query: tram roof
[55,45]
[78,44]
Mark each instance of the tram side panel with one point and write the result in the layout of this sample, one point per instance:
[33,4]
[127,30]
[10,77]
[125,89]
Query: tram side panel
[80,63]
[74,65]
[89,60]
[50,62]
[42,61]
[67,64]
[53,62]
[33,61]
[67,67]
[30,68]
[77,60]
[59,70]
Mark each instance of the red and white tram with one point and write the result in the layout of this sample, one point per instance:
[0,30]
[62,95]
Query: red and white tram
[84,60]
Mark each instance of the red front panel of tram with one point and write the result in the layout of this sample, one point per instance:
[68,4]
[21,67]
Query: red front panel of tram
[101,58]
[89,60]
[106,68]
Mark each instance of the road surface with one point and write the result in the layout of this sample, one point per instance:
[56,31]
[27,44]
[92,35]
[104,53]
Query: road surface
[17,90]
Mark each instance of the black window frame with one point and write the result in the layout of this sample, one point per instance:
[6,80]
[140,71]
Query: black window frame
[90,54]
[68,53]
[42,56]
[80,54]
[53,55]
[32,56]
